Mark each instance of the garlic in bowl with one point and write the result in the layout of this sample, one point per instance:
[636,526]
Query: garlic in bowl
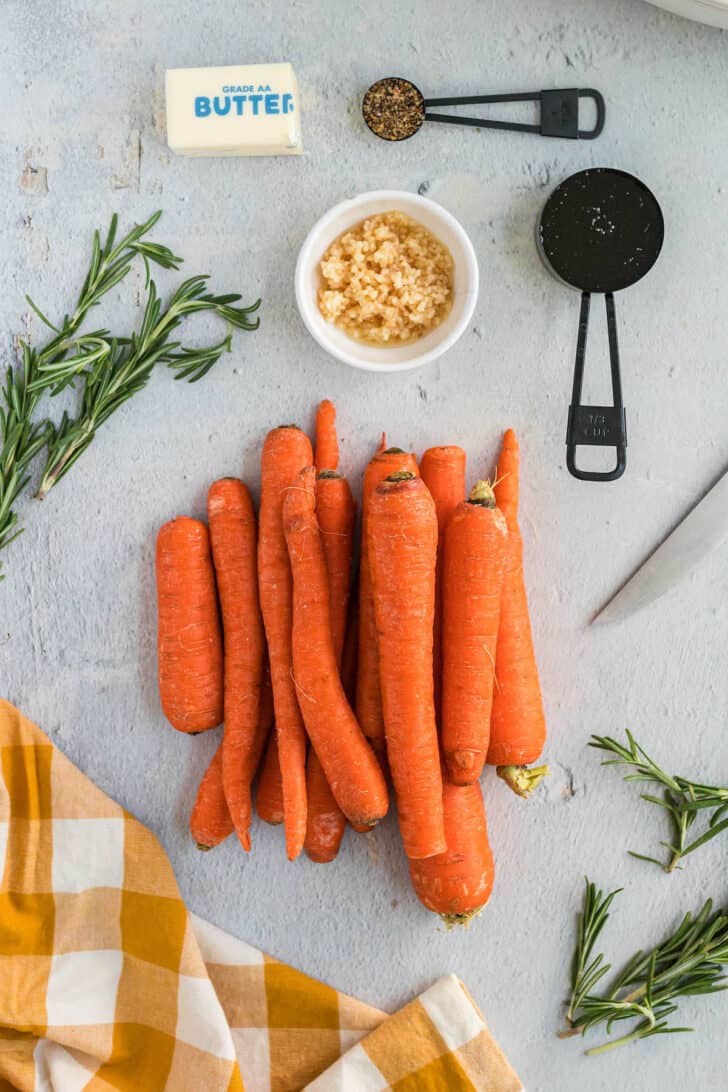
[402,310]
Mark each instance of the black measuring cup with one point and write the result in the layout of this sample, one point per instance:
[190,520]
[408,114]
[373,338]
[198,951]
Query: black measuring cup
[395,109]
[600,231]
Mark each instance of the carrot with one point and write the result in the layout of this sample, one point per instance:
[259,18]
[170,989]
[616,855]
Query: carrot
[348,668]
[402,541]
[327,445]
[285,452]
[368,690]
[443,471]
[474,555]
[348,762]
[188,638]
[233,535]
[457,884]
[351,646]
[269,796]
[517,727]
[210,821]
[336,512]
[326,820]
[265,723]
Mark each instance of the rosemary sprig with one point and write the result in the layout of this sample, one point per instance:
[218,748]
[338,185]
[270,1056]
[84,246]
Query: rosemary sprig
[585,971]
[688,963]
[125,367]
[111,369]
[681,799]
[22,436]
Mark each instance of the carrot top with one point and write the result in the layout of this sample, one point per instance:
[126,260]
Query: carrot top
[482,494]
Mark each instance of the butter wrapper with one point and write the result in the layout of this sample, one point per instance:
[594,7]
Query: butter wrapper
[234,110]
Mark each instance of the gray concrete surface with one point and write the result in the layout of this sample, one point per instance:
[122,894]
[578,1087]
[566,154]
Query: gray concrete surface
[82,134]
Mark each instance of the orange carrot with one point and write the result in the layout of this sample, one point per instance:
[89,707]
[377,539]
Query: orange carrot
[474,555]
[210,821]
[443,471]
[233,535]
[402,541]
[269,796]
[188,637]
[336,512]
[265,725]
[285,452]
[349,763]
[348,668]
[457,884]
[518,728]
[368,690]
[351,645]
[327,445]
[326,820]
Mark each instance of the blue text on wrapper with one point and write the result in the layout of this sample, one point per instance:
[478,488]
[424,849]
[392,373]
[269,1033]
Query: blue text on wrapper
[259,104]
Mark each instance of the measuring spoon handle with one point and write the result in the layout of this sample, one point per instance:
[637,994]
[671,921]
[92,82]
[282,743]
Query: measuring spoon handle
[559,112]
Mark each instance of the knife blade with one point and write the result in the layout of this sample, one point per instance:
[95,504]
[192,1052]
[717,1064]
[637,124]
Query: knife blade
[700,532]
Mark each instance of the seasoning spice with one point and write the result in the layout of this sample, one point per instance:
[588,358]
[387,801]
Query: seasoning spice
[393,108]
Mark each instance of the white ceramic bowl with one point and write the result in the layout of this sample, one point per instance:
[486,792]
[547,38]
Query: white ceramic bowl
[397,358]
[714,12]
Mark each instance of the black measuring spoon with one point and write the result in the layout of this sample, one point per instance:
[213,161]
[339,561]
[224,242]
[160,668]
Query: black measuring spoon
[600,231]
[395,108]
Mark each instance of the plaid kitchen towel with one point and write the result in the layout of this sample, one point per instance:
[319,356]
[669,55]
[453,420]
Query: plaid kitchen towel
[107,982]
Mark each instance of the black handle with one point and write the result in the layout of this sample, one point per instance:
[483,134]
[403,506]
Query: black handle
[559,112]
[597,426]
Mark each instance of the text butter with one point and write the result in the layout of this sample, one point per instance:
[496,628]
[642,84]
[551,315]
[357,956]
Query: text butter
[236,110]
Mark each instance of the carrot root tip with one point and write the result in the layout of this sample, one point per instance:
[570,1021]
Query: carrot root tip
[453,920]
[522,779]
[465,767]
[203,849]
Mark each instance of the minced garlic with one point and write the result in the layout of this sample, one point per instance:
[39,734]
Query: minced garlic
[386,281]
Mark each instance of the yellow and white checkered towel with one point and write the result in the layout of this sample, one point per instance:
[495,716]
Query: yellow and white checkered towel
[107,982]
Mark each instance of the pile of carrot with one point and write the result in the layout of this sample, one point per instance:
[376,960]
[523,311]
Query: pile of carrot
[419,667]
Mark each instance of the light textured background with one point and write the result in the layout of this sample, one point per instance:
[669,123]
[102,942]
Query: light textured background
[82,134]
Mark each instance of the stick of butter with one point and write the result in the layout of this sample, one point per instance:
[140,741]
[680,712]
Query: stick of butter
[249,109]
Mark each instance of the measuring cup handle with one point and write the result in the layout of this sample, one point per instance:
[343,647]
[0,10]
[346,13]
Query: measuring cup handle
[597,426]
[597,475]
[598,100]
